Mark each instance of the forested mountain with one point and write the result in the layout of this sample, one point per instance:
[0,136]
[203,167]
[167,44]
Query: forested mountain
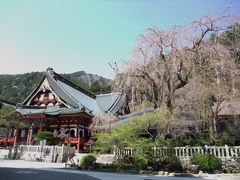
[90,78]
[15,88]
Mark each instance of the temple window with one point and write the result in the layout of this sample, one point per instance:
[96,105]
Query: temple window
[23,133]
[81,133]
[72,133]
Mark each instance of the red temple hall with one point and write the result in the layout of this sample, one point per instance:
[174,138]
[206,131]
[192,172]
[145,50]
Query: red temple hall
[58,104]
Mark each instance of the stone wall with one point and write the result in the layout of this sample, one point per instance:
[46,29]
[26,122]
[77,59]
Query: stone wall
[4,153]
[42,153]
[101,158]
[106,158]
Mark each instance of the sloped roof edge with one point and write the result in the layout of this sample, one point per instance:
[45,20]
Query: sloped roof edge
[60,78]
[64,111]
[61,92]
[34,91]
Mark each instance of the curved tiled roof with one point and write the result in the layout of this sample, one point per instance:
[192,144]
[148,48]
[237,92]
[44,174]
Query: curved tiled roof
[62,93]
[76,98]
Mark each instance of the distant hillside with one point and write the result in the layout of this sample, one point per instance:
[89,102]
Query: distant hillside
[15,88]
[91,78]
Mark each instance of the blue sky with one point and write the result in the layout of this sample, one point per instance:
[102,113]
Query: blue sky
[73,35]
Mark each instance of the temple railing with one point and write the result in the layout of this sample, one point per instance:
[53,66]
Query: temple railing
[8,140]
[11,139]
[2,139]
[70,140]
[184,153]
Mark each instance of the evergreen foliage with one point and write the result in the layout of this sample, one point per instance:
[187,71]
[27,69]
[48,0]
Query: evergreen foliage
[15,88]
[9,117]
[97,88]
[207,162]
[88,161]
[169,163]
[147,130]
[48,136]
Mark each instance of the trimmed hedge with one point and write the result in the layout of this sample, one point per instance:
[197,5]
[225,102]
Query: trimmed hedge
[207,162]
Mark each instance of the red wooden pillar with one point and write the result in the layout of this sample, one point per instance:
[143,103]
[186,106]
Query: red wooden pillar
[16,136]
[78,145]
[42,128]
[28,135]
[77,133]
[6,143]
[68,136]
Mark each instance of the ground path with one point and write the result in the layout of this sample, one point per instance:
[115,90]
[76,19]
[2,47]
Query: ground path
[26,170]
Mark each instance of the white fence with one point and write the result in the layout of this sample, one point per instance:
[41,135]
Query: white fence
[185,153]
[43,153]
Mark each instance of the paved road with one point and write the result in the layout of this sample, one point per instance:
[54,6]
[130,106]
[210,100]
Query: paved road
[37,174]
[66,174]
[25,170]
[29,164]
[121,176]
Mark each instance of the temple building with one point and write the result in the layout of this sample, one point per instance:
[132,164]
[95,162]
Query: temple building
[227,117]
[7,136]
[58,104]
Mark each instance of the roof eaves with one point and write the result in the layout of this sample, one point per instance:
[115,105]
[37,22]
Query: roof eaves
[116,102]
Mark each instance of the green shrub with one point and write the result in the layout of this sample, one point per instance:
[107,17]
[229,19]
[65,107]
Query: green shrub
[140,161]
[174,164]
[88,161]
[45,135]
[136,134]
[199,140]
[125,166]
[207,162]
[167,163]
[115,166]
[111,166]
[225,138]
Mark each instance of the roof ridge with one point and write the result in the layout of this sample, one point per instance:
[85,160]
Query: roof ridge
[61,78]
[108,94]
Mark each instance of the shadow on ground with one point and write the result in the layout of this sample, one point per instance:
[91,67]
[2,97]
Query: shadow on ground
[37,174]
